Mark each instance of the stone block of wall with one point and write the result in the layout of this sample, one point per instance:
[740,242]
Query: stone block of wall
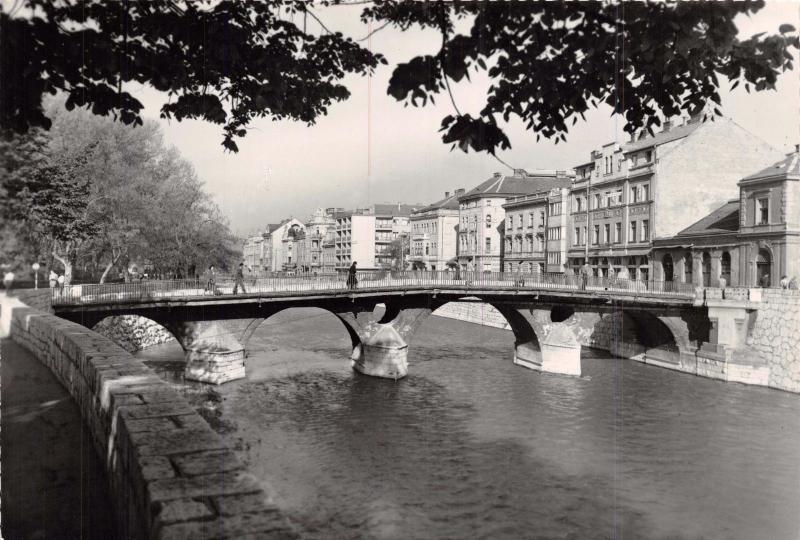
[171,475]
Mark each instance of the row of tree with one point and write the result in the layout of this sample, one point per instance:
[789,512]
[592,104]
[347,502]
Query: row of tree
[93,198]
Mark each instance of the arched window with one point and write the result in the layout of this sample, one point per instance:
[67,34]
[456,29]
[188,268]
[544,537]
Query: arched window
[725,271]
[763,268]
[669,270]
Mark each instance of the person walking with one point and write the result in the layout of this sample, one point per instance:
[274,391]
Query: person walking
[239,279]
[586,270]
[785,282]
[352,280]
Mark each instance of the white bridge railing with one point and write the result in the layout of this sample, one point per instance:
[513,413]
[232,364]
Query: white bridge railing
[366,280]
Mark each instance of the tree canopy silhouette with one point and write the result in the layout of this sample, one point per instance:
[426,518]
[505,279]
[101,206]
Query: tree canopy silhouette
[228,62]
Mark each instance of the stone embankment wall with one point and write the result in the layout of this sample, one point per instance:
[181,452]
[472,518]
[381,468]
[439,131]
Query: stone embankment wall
[776,335]
[132,332]
[171,475]
[771,359]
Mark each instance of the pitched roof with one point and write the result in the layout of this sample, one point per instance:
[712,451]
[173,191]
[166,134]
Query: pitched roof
[448,203]
[518,185]
[663,137]
[273,226]
[724,219]
[399,209]
[790,165]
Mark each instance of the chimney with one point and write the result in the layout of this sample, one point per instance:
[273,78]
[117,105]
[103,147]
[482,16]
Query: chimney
[446,194]
[459,192]
[797,148]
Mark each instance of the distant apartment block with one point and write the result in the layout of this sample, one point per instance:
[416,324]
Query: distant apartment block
[536,232]
[365,235]
[434,234]
[482,217]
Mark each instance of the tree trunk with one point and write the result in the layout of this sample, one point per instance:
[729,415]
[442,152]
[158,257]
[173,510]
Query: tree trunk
[67,264]
[110,265]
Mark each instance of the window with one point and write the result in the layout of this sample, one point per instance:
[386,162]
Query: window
[597,200]
[530,219]
[606,233]
[519,222]
[488,245]
[554,258]
[618,232]
[645,230]
[633,232]
[763,211]
[634,194]
[541,219]
[577,238]
[596,236]
[578,204]
[583,235]
[554,233]
[646,192]
[555,209]
[488,221]
[649,156]
[510,222]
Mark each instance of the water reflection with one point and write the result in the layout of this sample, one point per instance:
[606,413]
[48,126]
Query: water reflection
[471,446]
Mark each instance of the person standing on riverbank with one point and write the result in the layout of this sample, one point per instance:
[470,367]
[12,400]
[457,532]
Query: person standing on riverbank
[352,280]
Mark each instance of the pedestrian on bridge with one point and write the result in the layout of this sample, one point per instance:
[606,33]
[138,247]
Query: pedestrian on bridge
[211,280]
[352,280]
[239,281]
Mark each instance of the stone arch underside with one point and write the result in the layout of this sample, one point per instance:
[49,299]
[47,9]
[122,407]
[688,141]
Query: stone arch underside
[133,332]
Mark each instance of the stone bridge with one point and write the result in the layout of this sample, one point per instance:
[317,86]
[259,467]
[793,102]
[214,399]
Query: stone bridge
[549,320]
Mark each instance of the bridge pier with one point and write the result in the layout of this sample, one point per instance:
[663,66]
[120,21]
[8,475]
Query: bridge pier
[541,344]
[214,354]
[380,348]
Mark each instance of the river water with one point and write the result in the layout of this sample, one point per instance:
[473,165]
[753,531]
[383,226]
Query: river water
[471,446]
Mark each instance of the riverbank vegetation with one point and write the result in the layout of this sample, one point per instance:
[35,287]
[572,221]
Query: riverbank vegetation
[97,200]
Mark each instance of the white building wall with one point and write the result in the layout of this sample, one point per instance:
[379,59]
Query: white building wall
[363,241]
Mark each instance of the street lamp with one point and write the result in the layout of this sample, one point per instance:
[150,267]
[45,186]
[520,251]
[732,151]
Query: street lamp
[35,267]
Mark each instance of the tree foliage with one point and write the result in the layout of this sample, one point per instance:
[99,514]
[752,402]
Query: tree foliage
[224,62]
[97,195]
[228,62]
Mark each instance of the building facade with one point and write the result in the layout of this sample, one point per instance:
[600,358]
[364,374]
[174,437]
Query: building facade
[481,229]
[652,187]
[753,240]
[310,246]
[536,232]
[365,235]
[253,252]
[279,248]
[434,234]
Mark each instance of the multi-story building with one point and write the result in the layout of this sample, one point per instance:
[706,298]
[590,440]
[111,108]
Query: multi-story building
[652,187]
[434,233]
[253,252]
[749,241]
[536,232]
[310,246]
[278,249]
[365,235]
[482,216]
[329,250]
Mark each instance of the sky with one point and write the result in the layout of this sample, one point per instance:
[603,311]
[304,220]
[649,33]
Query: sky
[372,149]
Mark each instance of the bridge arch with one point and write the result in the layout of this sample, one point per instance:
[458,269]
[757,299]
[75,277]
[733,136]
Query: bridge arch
[644,336]
[133,332]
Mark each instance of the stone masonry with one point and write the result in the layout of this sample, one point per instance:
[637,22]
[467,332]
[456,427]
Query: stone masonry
[171,476]
[133,333]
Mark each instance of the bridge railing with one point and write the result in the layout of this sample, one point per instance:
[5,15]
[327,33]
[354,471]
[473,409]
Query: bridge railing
[368,279]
